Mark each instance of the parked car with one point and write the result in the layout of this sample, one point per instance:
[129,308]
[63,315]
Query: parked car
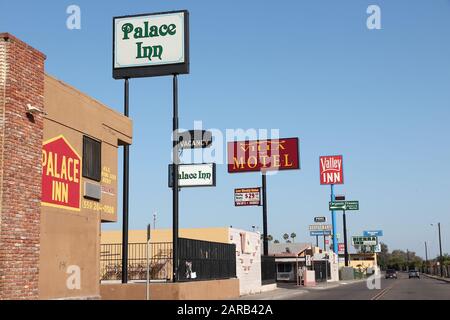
[414,274]
[391,274]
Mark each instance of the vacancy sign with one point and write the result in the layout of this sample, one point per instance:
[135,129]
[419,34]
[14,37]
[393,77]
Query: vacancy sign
[263,155]
[247,197]
[331,170]
[61,175]
[151,45]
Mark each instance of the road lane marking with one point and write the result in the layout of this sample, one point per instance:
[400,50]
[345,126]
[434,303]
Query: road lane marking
[379,295]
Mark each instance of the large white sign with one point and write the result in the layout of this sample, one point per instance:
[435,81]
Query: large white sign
[195,175]
[154,40]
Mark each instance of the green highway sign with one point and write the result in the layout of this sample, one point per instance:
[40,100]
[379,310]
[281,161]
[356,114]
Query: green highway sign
[343,205]
[352,205]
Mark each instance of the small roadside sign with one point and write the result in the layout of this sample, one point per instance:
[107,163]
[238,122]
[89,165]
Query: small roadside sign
[320,219]
[320,233]
[373,233]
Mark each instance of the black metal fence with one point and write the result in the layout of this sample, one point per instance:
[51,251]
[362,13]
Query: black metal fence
[160,261]
[198,260]
[204,260]
[268,270]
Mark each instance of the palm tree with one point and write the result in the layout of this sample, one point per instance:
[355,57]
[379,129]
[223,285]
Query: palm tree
[293,236]
[285,237]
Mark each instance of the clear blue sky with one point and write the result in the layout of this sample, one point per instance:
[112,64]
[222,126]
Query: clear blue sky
[311,69]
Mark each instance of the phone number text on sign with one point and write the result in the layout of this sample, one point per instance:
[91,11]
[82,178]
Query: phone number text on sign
[247,197]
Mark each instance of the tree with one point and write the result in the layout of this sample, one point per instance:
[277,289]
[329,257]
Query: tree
[293,236]
[285,237]
[269,237]
[383,256]
[276,241]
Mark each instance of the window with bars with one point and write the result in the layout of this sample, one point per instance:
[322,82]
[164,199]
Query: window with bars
[92,158]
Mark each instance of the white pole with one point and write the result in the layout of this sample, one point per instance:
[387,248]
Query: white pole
[148,272]
[147,283]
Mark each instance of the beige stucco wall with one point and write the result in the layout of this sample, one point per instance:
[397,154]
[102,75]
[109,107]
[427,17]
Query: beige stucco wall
[165,235]
[71,239]
[198,290]
[248,260]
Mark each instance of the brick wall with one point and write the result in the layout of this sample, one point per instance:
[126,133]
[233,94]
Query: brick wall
[21,83]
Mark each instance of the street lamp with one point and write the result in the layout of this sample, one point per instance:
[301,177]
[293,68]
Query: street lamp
[440,250]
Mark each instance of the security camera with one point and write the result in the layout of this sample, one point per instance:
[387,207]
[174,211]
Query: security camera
[34,110]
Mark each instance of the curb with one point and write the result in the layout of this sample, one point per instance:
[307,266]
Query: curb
[436,278]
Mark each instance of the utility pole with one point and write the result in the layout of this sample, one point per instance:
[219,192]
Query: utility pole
[426,257]
[440,251]
[441,258]
[154,220]
[407,260]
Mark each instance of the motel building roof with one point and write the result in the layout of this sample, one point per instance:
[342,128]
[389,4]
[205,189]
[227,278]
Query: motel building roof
[289,250]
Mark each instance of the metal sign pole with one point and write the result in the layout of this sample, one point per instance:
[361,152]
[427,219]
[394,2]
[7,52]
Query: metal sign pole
[175,162]
[345,240]
[126,177]
[333,222]
[264,192]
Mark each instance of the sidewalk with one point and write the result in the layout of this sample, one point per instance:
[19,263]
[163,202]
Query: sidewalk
[289,290]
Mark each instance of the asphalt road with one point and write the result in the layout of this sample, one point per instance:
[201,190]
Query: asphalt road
[402,288]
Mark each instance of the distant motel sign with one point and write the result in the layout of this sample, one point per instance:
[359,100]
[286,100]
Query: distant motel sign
[331,170]
[247,197]
[194,175]
[320,227]
[150,45]
[61,175]
[263,155]
[364,241]
[374,233]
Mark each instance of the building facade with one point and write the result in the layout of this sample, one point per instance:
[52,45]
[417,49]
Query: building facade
[58,179]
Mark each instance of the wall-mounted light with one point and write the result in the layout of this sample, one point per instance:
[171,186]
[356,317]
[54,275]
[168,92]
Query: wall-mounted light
[32,110]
